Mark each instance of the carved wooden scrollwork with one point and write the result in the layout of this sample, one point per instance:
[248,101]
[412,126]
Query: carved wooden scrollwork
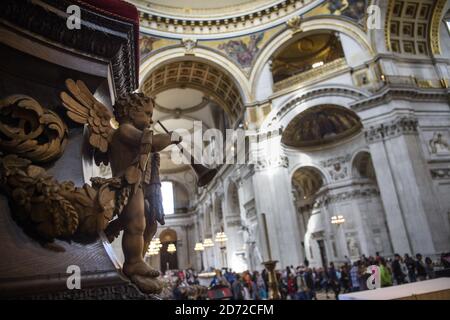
[30,131]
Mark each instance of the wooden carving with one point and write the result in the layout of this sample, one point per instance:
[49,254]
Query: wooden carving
[29,130]
[129,150]
[48,209]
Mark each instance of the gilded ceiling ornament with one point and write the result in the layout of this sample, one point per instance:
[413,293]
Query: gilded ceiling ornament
[31,131]
[189,45]
[435,27]
[294,23]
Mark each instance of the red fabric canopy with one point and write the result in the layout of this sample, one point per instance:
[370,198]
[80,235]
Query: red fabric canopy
[120,10]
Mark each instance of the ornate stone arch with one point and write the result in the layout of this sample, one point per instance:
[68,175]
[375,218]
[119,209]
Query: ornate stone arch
[362,166]
[168,235]
[308,27]
[301,101]
[232,198]
[323,173]
[204,55]
[308,179]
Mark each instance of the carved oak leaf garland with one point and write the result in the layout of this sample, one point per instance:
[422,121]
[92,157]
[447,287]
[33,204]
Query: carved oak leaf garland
[47,209]
[30,131]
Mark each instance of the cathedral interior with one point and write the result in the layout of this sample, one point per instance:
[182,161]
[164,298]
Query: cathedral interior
[326,125]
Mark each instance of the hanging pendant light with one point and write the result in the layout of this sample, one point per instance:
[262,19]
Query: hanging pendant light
[171,248]
[208,243]
[199,246]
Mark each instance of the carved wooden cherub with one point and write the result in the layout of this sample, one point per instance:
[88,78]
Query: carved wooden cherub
[129,149]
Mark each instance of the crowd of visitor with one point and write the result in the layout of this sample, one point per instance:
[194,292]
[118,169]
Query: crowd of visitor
[304,282]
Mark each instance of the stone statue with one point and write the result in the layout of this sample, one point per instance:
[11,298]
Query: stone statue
[353,248]
[438,144]
[48,209]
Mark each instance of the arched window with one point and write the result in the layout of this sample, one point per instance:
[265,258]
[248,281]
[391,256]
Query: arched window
[167,197]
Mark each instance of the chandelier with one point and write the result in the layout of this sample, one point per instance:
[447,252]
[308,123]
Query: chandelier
[171,248]
[208,243]
[199,246]
[221,237]
[154,247]
[337,220]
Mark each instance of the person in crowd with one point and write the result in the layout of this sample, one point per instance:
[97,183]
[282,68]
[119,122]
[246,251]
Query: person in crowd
[326,282]
[284,285]
[334,281]
[261,286]
[354,276]
[363,275]
[230,276]
[397,270]
[420,268]
[291,287]
[445,260]
[411,265]
[302,289]
[429,268]
[178,292]
[348,260]
[385,273]
[265,276]
[237,288]
[309,281]
[365,259]
[377,257]
[345,278]
[219,280]
[250,290]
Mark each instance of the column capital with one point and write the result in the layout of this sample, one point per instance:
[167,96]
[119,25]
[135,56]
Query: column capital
[394,128]
[275,162]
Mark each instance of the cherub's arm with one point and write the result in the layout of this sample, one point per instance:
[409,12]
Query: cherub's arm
[162,141]
[130,134]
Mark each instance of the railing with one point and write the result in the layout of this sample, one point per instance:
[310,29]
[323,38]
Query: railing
[315,74]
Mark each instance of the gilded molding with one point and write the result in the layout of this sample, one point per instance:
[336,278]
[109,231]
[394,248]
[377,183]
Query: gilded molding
[184,24]
[387,24]
[317,74]
[435,41]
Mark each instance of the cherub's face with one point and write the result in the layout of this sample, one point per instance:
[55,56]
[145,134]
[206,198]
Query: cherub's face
[142,119]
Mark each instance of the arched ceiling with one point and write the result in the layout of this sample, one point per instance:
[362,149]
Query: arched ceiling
[412,26]
[187,92]
[214,83]
[364,166]
[321,125]
[300,56]
[307,181]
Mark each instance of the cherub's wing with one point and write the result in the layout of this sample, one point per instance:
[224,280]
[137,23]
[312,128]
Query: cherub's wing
[83,108]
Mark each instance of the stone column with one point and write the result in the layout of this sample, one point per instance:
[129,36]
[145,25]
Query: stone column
[413,212]
[232,225]
[273,195]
